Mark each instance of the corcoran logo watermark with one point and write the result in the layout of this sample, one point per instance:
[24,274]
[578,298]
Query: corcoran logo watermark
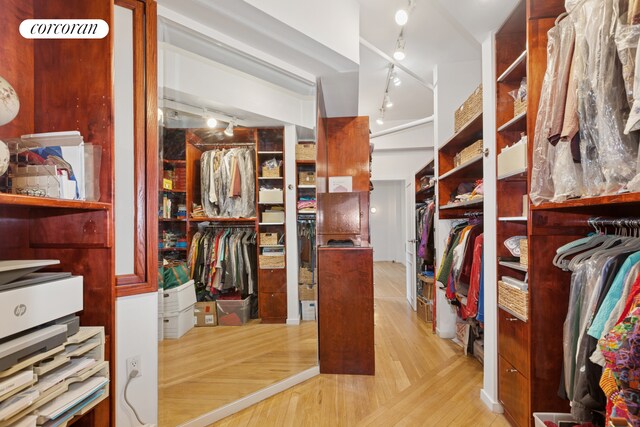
[64,29]
[20,310]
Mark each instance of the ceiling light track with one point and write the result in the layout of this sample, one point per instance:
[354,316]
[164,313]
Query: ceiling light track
[210,115]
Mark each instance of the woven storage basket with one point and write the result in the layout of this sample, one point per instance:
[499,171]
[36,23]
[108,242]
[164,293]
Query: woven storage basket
[271,261]
[305,276]
[513,299]
[271,172]
[268,238]
[306,152]
[307,293]
[519,107]
[524,252]
[467,111]
[307,178]
[471,152]
[457,160]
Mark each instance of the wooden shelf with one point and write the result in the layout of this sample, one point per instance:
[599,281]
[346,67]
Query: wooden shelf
[307,213]
[306,186]
[616,199]
[516,71]
[425,279]
[174,162]
[464,137]
[164,190]
[271,203]
[513,313]
[220,219]
[46,202]
[272,246]
[269,177]
[172,249]
[518,123]
[513,265]
[270,152]
[306,162]
[469,203]
[171,220]
[522,174]
[513,219]
[470,169]
[425,190]
[271,223]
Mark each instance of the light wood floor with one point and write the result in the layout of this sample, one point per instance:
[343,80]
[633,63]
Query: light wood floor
[421,380]
[210,367]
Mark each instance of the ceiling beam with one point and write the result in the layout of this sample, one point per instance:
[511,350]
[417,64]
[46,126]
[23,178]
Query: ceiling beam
[389,59]
[402,127]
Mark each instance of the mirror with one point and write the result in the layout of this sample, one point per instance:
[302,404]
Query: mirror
[236,230]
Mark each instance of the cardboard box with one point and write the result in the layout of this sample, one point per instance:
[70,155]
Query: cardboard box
[276,217]
[205,314]
[274,195]
[308,310]
[177,324]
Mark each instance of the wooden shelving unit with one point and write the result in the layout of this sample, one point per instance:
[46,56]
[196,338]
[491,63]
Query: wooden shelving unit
[425,285]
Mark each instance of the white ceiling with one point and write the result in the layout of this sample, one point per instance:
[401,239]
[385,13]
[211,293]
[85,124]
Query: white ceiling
[438,31]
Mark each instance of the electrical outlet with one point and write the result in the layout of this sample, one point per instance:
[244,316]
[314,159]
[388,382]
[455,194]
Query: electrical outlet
[134,364]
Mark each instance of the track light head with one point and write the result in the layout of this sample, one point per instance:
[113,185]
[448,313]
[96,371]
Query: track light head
[380,119]
[387,101]
[211,122]
[229,130]
[399,54]
[402,17]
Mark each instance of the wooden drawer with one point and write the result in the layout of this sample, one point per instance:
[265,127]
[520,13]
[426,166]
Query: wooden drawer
[513,392]
[274,280]
[513,341]
[273,306]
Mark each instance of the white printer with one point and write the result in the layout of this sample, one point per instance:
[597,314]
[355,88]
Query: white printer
[29,299]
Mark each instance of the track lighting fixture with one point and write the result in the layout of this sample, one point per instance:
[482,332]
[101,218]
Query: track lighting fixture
[398,54]
[380,119]
[387,101]
[402,14]
[211,122]
[229,130]
[402,17]
[396,80]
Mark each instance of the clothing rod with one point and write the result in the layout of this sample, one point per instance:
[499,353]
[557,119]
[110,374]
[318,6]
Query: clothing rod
[614,222]
[225,144]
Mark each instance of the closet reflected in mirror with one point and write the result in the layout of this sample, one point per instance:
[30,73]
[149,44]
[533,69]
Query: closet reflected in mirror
[236,229]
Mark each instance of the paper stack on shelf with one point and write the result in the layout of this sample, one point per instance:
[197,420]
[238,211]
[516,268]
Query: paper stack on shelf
[66,371]
[14,382]
[77,393]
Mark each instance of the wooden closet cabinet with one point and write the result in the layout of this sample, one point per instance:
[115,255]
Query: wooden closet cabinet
[64,85]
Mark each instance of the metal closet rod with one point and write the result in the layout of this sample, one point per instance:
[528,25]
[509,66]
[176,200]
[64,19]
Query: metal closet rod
[224,144]
[626,222]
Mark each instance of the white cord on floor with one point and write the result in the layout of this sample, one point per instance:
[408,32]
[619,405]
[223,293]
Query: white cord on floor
[132,375]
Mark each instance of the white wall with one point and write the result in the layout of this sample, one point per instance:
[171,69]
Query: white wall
[334,23]
[453,83]
[489,392]
[187,74]
[137,335]
[387,224]
[291,226]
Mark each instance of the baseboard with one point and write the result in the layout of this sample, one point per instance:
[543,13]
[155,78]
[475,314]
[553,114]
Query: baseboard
[493,405]
[252,399]
[293,321]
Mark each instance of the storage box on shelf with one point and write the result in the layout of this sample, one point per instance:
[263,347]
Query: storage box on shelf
[306,151]
[471,108]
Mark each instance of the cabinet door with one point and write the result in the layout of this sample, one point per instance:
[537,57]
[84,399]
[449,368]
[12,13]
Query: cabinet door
[513,341]
[273,306]
[272,280]
[513,393]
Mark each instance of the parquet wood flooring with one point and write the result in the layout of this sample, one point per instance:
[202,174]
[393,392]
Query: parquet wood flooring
[421,380]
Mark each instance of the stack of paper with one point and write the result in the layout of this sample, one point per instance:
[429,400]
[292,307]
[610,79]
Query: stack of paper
[17,403]
[76,394]
[62,373]
[15,381]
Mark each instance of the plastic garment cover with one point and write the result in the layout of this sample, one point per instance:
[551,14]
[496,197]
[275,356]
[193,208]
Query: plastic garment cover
[602,95]
[626,36]
[543,151]
[566,174]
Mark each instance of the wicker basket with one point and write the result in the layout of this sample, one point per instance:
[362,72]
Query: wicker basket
[306,152]
[524,252]
[519,107]
[305,276]
[268,239]
[271,261]
[271,172]
[514,300]
[468,153]
[307,293]
[307,178]
[467,111]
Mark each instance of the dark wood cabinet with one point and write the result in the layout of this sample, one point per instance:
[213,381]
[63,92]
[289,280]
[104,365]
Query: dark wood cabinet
[345,305]
[273,280]
[513,393]
[272,306]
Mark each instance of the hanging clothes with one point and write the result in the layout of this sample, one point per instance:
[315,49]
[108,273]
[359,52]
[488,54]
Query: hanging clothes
[227,182]
[307,246]
[424,230]
[224,259]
